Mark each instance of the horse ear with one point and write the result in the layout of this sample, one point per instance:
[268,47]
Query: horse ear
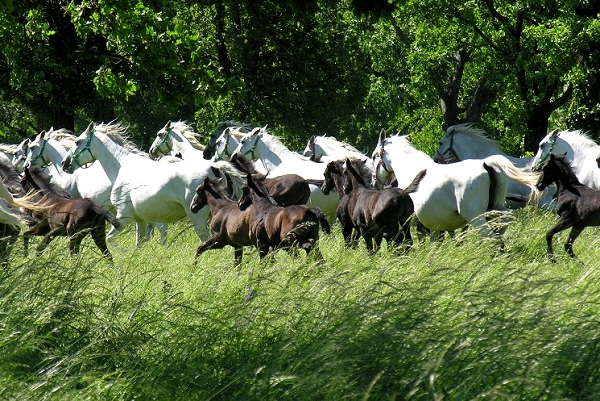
[554,133]
[89,128]
[382,135]
[167,126]
[216,172]
[312,139]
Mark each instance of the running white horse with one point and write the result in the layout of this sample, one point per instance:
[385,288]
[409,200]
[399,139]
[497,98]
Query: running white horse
[49,149]
[177,139]
[228,142]
[327,148]
[209,150]
[273,159]
[464,142]
[580,150]
[146,191]
[451,195]
[20,154]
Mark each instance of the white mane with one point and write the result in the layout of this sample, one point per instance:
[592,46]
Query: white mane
[9,149]
[64,136]
[344,145]
[275,144]
[476,134]
[118,134]
[188,133]
[579,137]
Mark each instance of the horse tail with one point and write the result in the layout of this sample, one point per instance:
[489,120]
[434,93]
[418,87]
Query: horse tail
[492,198]
[108,216]
[521,175]
[414,185]
[325,226]
[297,234]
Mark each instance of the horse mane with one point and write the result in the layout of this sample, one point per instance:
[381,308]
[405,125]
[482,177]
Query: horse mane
[66,137]
[275,144]
[259,188]
[236,178]
[42,180]
[243,163]
[474,133]
[9,149]
[344,145]
[221,192]
[578,135]
[565,166]
[118,134]
[222,125]
[360,171]
[188,133]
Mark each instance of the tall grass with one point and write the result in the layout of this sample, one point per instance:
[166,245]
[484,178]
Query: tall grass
[455,319]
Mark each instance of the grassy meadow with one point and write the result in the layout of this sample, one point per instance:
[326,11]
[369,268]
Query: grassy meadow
[453,320]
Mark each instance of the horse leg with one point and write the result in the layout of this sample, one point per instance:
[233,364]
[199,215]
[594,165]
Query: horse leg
[211,243]
[575,231]
[238,252]
[47,239]
[75,239]
[99,236]
[562,224]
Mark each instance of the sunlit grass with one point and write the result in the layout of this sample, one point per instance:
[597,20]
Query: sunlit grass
[454,318]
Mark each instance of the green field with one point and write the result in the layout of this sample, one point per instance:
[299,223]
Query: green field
[453,320]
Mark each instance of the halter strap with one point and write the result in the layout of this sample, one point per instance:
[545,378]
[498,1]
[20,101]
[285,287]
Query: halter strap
[252,148]
[547,156]
[225,151]
[40,155]
[453,157]
[164,142]
[75,156]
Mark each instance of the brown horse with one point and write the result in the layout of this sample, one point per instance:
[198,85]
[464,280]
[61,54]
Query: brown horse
[64,216]
[229,225]
[577,205]
[287,189]
[276,226]
[378,214]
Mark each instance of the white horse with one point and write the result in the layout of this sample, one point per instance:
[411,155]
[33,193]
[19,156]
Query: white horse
[175,139]
[327,148]
[580,150]
[450,195]
[20,154]
[227,142]
[146,191]
[463,142]
[209,150]
[273,159]
[49,149]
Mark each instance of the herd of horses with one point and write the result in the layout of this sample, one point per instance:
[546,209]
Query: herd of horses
[245,188]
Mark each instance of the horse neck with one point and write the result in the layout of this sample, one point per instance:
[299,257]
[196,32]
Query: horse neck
[407,163]
[469,147]
[216,201]
[109,154]
[272,156]
[181,143]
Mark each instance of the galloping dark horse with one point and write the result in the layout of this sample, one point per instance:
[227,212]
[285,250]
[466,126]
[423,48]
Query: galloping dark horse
[275,226]
[229,225]
[64,216]
[378,214]
[287,189]
[578,205]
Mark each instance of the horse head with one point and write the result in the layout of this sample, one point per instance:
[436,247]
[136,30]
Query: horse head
[80,154]
[163,143]
[20,154]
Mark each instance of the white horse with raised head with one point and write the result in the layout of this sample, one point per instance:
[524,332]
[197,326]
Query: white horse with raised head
[143,190]
[48,149]
[20,154]
[464,142]
[177,139]
[227,142]
[273,159]
[209,150]
[450,195]
[581,151]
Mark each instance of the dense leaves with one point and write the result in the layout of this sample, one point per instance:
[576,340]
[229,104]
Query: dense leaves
[344,68]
